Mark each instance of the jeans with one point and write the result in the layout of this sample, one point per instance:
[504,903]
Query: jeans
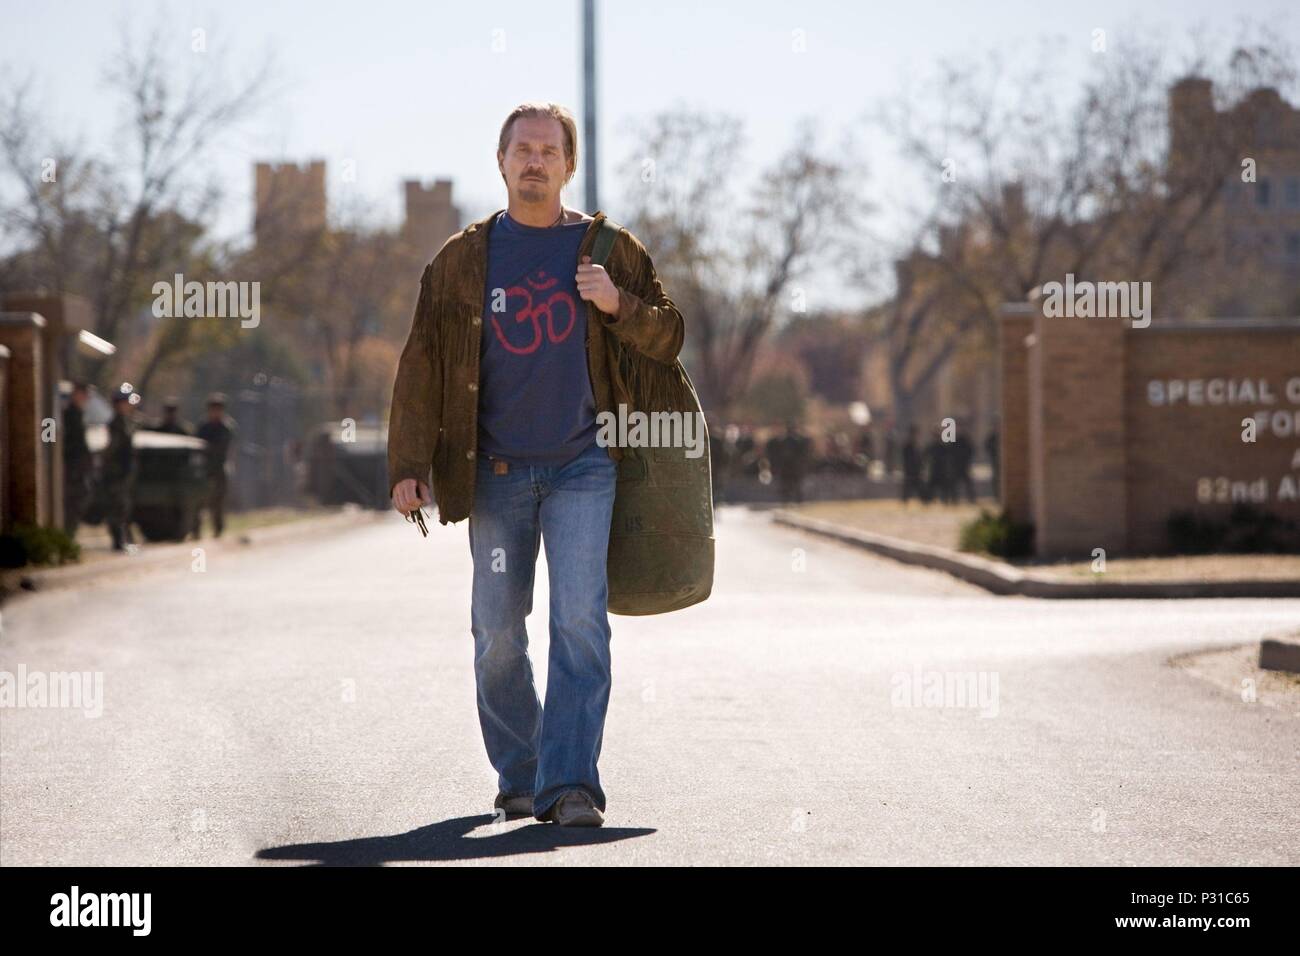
[538,751]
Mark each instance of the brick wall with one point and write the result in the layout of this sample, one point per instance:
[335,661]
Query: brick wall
[1077,436]
[1096,456]
[1177,450]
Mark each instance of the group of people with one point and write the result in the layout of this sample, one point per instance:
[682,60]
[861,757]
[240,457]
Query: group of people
[936,471]
[114,483]
[784,458]
[939,471]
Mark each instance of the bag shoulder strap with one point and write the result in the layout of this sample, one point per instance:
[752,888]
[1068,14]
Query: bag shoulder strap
[604,244]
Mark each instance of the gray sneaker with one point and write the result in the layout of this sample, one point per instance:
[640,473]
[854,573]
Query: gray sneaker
[575,808]
[517,806]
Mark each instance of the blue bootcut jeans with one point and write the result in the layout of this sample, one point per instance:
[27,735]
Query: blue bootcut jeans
[538,751]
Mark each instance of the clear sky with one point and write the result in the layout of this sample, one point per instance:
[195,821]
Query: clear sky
[415,89]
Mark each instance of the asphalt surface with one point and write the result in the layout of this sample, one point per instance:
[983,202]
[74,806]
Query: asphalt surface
[312,701]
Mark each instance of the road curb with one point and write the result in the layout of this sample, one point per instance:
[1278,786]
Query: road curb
[20,580]
[1002,578]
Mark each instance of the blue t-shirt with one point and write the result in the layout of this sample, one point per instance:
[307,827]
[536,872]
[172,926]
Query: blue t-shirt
[535,400]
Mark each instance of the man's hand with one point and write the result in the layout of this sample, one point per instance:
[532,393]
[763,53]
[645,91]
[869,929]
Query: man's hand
[596,287]
[406,498]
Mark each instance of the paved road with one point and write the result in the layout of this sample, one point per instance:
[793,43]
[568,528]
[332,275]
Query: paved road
[313,702]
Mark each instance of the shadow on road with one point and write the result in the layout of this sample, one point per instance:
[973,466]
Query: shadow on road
[450,840]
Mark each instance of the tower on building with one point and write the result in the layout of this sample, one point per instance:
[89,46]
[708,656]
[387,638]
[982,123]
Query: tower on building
[431,217]
[289,199]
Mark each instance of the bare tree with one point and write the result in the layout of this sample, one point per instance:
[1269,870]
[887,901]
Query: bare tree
[1019,190]
[730,264]
[109,229]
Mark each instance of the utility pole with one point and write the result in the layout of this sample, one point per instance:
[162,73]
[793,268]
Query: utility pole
[589,101]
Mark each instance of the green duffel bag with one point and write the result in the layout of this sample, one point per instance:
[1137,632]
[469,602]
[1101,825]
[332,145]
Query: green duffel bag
[661,535]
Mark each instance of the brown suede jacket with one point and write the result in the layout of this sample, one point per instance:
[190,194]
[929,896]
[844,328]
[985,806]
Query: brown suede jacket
[433,422]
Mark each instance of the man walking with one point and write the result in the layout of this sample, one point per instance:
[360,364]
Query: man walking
[513,352]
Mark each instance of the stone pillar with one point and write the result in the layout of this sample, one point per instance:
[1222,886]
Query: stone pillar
[65,315]
[1078,487]
[30,498]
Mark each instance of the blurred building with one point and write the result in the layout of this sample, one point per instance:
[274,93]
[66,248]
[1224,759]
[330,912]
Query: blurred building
[289,199]
[1253,229]
[431,216]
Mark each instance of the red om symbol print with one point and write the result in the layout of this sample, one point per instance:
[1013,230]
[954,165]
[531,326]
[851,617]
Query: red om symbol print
[534,303]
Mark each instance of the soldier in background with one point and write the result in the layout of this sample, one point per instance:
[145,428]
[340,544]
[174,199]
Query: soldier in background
[77,465]
[119,466]
[866,448]
[939,469]
[745,461]
[962,452]
[172,464]
[789,455]
[912,462]
[219,432]
[171,420]
[992,449]
[733,456]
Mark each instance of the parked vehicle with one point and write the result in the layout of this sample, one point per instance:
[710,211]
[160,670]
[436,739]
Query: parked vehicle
[170,482]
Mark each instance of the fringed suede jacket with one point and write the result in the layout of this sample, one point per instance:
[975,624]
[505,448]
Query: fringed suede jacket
[433,423]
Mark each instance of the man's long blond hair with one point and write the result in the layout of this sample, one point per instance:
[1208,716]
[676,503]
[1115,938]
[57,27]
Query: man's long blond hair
[554,111]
